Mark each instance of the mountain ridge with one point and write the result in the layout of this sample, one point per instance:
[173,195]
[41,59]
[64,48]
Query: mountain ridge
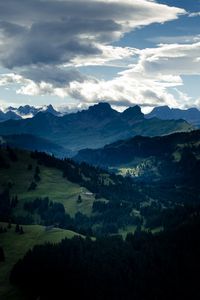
[26,111]
[34,143]
[92,128]
[148,157]
[191,115]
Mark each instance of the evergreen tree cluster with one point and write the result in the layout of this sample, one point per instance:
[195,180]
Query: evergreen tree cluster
[3,229]
[12,154]
[6,205]
[2,255]
[144,266]
[19,229]
[51,213]
[4,164]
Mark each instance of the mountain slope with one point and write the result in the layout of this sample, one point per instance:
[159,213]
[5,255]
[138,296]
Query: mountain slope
[178,153]
[31,142]
[85,199]
[34,235]
[92,128]
[52,184]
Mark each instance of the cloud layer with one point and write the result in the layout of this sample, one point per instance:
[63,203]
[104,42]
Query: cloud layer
[59,32]
[44,44]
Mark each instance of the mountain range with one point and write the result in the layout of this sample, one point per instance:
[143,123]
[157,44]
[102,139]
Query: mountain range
[191,115]
[92,128]
[26,111]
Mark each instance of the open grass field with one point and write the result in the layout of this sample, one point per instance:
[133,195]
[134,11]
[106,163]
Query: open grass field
[52,185]
[15,246]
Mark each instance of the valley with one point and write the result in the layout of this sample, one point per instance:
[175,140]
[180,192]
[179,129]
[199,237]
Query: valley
[99,149]
[138,181]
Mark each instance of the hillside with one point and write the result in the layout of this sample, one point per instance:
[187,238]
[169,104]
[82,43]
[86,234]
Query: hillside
[32,143]
[36,188]
[52,184]
[15,247]
[52,198]
[149,157]
[92,128]
[143,266]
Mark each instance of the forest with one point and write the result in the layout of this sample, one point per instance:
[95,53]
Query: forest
[143,266]
[158,260]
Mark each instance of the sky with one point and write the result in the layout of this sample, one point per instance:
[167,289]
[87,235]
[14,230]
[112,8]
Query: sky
[76,53]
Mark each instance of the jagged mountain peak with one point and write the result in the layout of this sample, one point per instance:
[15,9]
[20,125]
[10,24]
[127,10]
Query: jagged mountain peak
[100,106]
[50,109]
[102,109]
[133,113]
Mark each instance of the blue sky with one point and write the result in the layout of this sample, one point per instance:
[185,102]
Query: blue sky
[76,53]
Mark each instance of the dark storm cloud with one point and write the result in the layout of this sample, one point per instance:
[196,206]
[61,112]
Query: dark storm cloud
[50,32]
[56,32]
[56,76]
[27,11]
[11,30]
[36,50]
[44,43]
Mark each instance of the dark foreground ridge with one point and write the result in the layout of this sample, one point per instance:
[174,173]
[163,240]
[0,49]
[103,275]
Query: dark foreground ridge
[143,266]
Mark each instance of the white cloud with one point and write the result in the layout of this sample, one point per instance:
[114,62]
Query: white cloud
[7,79]
[127,88]
[146,83]
[194,14]
[81,33]
[175,59]
[109,55]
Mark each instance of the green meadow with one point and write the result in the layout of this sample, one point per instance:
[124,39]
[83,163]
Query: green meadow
[52,185]
[15,246]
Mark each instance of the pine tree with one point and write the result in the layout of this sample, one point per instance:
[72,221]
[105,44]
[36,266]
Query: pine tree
[32,186]
[21,230]
[30,167]
[79,200]
[9,225]
[2,255]
[37,170]
[17,229]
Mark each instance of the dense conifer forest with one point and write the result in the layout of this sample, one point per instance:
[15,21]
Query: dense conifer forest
[143,266]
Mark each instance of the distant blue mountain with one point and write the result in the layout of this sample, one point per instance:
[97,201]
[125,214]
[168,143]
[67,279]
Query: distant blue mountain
[9,115]
[191,115]
[31,142]
[26,111]
[92,128]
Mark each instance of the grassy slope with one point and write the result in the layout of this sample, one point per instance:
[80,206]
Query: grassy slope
[52,184]
[15,246]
